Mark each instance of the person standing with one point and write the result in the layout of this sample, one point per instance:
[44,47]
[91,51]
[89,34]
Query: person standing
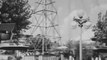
[18,55]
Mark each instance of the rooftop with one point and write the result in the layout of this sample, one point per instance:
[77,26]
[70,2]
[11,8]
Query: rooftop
[7,27]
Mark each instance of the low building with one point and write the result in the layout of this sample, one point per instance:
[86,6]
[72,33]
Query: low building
[7,31]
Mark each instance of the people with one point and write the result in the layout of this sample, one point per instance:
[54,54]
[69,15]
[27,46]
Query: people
[18,55]
[11,58]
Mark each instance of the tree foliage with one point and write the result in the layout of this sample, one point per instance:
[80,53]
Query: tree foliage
[37,42]
[15,11]
[100,29]
[86,51]
[73,45]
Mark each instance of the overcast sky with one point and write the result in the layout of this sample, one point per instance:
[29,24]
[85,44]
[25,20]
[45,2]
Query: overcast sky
[66,9]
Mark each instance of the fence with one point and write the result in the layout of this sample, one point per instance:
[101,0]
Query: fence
[41,58]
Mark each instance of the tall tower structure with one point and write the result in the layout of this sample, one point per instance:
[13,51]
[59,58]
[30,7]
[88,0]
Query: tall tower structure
[46,24]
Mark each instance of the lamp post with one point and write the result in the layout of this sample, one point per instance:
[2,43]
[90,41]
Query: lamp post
[80,22]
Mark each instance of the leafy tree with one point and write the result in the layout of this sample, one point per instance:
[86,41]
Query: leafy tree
[16,11]
[100,29]
[36,43]
[86,51]
[73,45]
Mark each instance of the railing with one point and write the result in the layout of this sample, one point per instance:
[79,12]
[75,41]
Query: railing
[44,58]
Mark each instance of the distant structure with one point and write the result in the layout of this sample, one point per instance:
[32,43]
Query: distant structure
[7,31]
[45,14]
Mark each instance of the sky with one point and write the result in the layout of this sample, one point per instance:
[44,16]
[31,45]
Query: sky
[69,8]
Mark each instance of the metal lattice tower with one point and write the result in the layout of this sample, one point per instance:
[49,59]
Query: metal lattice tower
[45,14]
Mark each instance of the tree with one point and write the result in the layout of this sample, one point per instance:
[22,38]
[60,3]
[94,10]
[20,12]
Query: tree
[86,51]
[36,43]
[16,11]
[73,45]
[100,29]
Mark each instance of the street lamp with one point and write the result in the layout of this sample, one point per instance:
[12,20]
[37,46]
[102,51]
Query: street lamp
[80,22]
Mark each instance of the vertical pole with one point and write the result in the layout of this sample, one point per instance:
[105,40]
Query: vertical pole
[40,57]
[43,46]
[70,57]
[80,44]
[99,57]
[62,56]
[92,58]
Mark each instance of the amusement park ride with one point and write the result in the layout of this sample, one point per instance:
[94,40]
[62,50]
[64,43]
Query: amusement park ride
[45,14]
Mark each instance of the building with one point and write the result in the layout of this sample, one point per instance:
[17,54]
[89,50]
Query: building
[7,31]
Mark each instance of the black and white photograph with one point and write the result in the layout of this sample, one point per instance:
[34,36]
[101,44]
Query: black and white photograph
[53,29]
